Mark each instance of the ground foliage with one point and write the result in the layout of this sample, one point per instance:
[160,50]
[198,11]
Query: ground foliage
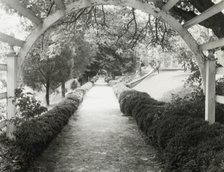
[186,142]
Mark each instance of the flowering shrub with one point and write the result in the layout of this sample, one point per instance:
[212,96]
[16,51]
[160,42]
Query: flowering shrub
[27,106]
[2,109]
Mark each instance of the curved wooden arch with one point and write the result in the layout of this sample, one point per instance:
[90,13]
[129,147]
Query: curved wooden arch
[41,26]
[145,7]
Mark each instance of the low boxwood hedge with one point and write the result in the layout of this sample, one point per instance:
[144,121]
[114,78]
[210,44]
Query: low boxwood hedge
[34,135]
[186,142]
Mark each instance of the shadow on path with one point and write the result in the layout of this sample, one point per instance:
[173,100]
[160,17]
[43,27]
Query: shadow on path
[98,139]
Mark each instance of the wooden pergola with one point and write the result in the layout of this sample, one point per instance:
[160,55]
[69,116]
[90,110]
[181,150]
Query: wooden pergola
[206,64]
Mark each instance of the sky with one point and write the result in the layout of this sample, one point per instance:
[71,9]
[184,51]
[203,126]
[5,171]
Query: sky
[11,23]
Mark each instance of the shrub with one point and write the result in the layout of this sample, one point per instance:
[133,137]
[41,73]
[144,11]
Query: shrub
[74,84]
[217,164]
[107,79]
[34,135]
[178,130]
[123,97]
[94,79]
[27,106]
[220,86]
[166,128]
[184,148]
[193,105]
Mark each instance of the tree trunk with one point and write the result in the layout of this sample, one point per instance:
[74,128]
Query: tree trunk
[47,93]
[63,89]
[113,76]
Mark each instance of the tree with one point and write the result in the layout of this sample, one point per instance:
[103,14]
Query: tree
[129,28]
[47,72]
[63,65]
[112,60]
[83,56]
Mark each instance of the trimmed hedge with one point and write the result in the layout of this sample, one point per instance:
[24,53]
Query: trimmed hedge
[33,136]
[185,143]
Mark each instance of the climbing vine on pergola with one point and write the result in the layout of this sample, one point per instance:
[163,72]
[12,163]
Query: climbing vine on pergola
[179,14]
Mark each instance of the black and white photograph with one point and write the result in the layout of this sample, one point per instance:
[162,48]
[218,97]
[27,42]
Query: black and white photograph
[111,85]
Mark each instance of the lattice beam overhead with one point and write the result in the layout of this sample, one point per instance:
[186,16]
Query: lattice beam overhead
[145,7]
[212,45]
[205,15]
[60,4]
[15,4]
[11,40]
[170,4]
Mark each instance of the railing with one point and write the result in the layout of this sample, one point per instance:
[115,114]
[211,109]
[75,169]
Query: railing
[219,98]
[11,69]
[138,80]
[3,95]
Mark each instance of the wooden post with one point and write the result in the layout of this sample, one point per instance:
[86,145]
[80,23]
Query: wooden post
[210,89]
[11,86]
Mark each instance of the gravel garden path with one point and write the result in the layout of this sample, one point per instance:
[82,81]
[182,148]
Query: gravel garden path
[98,139]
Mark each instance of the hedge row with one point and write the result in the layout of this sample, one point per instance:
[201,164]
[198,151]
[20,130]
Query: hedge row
[33,136]
[185,143]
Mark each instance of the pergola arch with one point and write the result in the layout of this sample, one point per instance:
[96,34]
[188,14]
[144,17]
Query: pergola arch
[62,11]
[207,70]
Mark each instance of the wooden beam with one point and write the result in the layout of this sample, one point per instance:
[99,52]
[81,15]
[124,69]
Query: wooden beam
[188,39]
[220,70]
[11,40]
[15,4]
[170,4]
[205,15]
[2,124]
[212,45]
[220,99]
[3,95]
[3,67]
[11,86]
[138,80]
[60,4]
[210,91]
